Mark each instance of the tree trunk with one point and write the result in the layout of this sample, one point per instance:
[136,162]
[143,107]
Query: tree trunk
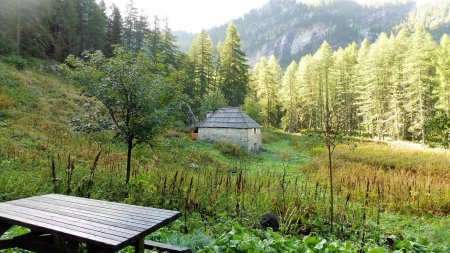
[130,148]
[328,137]
[330,167]
[19,26]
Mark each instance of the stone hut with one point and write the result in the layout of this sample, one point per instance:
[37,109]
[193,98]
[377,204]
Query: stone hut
[231,125]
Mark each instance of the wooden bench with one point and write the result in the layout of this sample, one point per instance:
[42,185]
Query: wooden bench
[165,247]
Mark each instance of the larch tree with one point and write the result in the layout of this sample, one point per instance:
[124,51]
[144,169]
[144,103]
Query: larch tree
[233,68]
[376,97]
[265,76]
[443,69]
[324,66]
[308,93]
[290,99]
[362,69]
[345,90]
[396,117]
[420,79]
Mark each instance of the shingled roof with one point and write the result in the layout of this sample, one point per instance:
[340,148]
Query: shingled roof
[230,117]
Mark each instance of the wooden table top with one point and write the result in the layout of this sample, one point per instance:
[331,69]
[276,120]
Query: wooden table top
[99,223]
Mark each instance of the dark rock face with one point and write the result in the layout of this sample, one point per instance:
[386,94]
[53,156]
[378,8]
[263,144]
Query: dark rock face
[270,221]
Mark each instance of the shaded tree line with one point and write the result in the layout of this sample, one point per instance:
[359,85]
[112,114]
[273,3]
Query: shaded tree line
[55,29]
[211,76]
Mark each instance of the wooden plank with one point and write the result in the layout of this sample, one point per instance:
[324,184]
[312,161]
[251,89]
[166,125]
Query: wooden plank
[122,214]
[45,226]
[50,211]
[112,205]
[65,222]
[89,216]
[166,247]
[121,211]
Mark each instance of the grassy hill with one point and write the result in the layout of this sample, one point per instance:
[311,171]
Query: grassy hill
[402,191]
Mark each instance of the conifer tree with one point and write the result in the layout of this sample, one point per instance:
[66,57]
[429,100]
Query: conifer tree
[265,75]
[129,26]
[168,47]
[233,68]
[396,118]
[308,93]
[420,79]
[63,25]
[113,30]
[324,61]
[141,30]
[345,90]
[443,70]
[375,96]
[201,53]
[290,99]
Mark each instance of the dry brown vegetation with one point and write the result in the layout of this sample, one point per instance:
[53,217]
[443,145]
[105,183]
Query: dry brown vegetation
[400,179]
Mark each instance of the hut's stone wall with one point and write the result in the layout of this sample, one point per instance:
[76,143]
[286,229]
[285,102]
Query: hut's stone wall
[249,139]
[254,139]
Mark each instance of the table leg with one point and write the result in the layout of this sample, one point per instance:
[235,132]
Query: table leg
[139,246]
[4,227]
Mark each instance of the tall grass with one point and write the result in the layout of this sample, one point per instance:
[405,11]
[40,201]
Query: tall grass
[401,180]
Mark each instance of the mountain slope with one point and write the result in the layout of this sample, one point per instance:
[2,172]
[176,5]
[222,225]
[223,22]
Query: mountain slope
[290,29]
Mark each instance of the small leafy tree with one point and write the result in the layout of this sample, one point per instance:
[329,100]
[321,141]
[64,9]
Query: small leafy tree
[213,101]
[140,103]
[253,109]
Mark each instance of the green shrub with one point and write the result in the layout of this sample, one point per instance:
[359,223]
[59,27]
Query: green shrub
[230,149]
[16,61]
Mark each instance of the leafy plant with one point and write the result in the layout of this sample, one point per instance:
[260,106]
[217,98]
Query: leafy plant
[230,149]
[16,61]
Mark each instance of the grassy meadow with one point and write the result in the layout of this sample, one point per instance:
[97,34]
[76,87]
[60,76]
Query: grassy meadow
[387,197]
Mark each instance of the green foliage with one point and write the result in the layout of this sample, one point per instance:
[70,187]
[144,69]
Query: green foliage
[141,105]
[15,60]
[230,149]
[6,43]
[253,109]
[438,130]
[212,102]
[240,239]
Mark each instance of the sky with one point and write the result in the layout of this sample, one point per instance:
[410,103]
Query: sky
[195,15]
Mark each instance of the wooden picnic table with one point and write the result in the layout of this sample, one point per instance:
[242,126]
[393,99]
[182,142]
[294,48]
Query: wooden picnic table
[59,223]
